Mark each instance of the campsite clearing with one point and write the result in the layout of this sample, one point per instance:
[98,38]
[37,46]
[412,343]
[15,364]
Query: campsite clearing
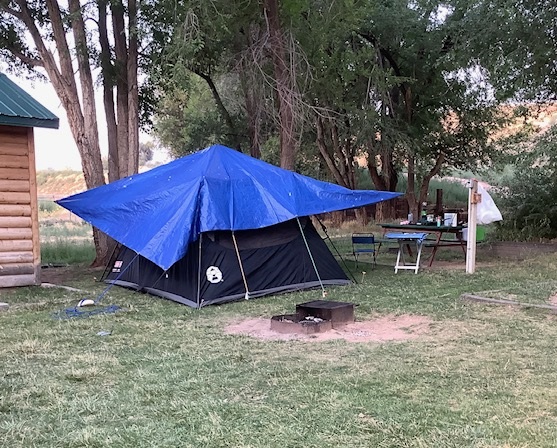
[165,374]
[380,329]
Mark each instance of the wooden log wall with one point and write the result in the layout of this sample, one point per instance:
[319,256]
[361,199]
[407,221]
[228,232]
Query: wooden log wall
[19,225]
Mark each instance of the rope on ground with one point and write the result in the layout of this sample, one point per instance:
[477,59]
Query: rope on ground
[78,311]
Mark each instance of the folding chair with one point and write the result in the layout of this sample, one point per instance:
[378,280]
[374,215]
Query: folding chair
[364,243]
[407,240]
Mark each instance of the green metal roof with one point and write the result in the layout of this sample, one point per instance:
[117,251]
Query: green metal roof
[18,108]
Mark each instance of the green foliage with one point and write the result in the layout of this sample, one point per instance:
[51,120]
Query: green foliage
[48,207]
[514,41]
[529,199]
[455,195]
[188,120]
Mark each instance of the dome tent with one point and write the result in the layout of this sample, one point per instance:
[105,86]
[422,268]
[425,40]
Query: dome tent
[175,212]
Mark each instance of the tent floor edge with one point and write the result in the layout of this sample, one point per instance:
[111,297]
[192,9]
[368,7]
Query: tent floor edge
[231,298]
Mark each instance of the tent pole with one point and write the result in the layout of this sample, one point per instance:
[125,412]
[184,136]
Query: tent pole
[241,266]
[199,269]
[111,260]
[327,237]
[323,292]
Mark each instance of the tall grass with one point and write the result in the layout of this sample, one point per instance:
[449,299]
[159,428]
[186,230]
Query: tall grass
[62,251]
[65,242]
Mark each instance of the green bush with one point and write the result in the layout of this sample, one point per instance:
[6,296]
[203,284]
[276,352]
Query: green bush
[47,206]
[529,199]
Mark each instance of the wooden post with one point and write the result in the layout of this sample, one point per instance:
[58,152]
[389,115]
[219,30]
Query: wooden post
[34,206]
[473,199]
[439,202]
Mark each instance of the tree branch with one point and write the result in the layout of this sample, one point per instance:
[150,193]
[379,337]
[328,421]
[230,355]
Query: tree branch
[220,105]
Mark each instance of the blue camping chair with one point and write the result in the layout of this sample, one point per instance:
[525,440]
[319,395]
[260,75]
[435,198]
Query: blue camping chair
[364,243]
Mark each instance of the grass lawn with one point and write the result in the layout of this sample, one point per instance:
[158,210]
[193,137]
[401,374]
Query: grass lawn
[169,376]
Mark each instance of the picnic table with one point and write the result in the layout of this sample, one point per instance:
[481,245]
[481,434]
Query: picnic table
[437,236]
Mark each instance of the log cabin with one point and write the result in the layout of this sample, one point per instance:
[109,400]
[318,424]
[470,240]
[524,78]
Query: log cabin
[20,258]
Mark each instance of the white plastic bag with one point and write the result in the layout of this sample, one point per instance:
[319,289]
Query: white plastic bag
[487,211]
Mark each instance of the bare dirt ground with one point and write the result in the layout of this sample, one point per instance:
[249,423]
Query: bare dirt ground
[382,329]
[66,274]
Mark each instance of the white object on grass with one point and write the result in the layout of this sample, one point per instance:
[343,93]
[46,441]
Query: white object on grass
[86,302]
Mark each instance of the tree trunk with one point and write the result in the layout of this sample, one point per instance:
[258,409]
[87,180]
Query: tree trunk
[103,244]
[361,216]
[288,145]
[253,110]
[89,113]
[383,174]
[121,66]
[107,71]
[133,93]
[413,204]
[80,106]
[337,153]
[324,151]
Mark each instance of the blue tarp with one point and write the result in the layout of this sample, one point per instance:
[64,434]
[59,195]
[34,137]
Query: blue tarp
[160,212]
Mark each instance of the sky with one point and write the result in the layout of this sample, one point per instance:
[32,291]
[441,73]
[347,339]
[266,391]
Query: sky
[55,148]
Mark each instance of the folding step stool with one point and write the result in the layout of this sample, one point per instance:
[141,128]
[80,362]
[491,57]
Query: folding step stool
[408,240]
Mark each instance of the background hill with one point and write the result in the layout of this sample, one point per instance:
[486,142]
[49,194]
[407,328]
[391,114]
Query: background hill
[58,184]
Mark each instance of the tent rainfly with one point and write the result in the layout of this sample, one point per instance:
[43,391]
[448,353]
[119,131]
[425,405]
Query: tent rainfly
[217,226]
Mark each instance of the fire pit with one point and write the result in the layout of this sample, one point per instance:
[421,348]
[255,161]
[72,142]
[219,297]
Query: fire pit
[317,316]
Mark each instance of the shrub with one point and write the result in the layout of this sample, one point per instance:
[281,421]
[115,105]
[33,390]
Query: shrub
[529,199]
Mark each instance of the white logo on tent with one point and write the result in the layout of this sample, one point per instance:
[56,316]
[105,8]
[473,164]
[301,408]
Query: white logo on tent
[117,266]
[214,275]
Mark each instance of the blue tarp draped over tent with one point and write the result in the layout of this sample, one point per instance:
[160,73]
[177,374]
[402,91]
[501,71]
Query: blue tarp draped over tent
[160,212]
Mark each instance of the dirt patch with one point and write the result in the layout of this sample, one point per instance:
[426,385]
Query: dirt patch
[382,329]
[553,298]
[66,274]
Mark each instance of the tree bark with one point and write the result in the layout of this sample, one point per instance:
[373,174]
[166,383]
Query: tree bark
[410,195]
[107,71]
[89,114]
[288,145]
[121,69]
[133,91]
[66,89]
[384,177]
[323,150]
[79,104]
[253,108]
